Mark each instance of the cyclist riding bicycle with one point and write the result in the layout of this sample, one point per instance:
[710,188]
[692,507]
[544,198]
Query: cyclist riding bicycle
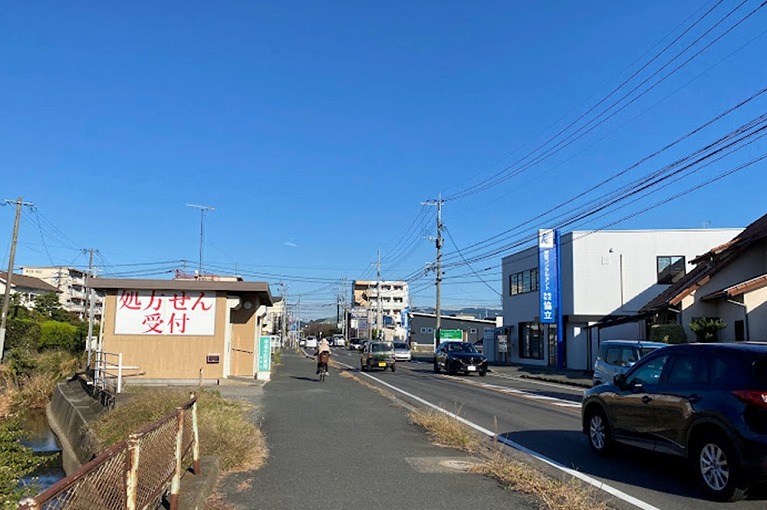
[323,354]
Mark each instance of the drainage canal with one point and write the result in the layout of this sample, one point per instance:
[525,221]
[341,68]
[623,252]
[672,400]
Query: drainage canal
[41,439]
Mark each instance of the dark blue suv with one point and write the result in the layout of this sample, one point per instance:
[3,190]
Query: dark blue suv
[705,402]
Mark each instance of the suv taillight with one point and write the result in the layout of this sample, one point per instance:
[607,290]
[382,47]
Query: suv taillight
[753,397]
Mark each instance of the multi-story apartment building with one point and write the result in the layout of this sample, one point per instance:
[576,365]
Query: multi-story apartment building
[70,282]
[386,302]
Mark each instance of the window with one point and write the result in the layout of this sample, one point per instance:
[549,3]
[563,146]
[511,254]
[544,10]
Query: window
[530,340]
[670,269]
[649,373]
[524,281]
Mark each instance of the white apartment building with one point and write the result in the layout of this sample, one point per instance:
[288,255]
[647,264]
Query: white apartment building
[603,275]
[386,302]
[70,283]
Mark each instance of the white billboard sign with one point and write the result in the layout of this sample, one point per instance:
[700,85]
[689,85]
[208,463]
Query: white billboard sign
[165,312]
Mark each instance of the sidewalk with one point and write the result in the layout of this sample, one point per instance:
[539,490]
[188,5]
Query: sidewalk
[340,445]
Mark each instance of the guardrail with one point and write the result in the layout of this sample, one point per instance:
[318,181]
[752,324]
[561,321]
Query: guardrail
[108,376]
[133,474]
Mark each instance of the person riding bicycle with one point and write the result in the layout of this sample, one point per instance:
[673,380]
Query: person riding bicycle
[323,354]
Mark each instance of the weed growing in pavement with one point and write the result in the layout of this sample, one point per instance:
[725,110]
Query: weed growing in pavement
[447,431]
[494,463]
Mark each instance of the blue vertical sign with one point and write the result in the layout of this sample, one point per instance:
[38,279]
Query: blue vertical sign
[548,277]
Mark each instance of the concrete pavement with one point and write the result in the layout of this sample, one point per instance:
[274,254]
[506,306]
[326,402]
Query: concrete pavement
[340,445]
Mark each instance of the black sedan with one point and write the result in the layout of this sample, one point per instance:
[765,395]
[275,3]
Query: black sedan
[454,357]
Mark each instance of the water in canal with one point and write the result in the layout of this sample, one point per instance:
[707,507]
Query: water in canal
[42,440]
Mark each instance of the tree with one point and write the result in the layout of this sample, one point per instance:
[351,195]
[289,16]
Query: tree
[707,329]
[48,305]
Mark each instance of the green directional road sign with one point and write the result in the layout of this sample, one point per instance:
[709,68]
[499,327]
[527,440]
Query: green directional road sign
[450,334]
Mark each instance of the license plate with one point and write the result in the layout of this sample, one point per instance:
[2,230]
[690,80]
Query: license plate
[472,368]
[381,364]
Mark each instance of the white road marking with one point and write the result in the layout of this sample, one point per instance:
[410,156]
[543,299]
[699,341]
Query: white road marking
[613,491]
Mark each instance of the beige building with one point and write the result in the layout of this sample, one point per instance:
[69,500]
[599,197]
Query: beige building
[185,330]
[70,283]
[386,303]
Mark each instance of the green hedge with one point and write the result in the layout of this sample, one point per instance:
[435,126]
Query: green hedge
[60,335]
[22,333]
[668,333]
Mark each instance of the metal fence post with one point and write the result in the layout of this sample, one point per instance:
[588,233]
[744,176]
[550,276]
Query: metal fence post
[175,484]
[195,437]
[120,373]
[131,474]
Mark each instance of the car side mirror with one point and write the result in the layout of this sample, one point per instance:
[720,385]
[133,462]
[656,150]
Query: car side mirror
[620,380]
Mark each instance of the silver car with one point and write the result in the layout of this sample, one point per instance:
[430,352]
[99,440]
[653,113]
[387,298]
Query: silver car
[617,356]
[402,352]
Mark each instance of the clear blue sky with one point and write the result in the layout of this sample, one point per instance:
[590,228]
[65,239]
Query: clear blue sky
[316,129]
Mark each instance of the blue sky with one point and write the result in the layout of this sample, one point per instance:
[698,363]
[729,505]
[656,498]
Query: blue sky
[317,129]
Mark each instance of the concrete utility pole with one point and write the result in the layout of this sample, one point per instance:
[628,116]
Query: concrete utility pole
[203,209]
[379,308]
[9,277]
[90,302]
[438,242]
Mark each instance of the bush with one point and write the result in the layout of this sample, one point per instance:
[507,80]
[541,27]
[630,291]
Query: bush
[706,329]
[24,333]
[668,333]
[17,461]
[60,335]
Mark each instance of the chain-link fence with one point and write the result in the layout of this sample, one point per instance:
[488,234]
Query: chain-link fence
[133,474]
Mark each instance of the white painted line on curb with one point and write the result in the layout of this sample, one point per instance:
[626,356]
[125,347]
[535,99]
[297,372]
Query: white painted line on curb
[577,474]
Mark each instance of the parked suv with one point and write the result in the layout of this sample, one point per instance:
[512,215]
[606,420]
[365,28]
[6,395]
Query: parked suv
[617,356]
[705,402]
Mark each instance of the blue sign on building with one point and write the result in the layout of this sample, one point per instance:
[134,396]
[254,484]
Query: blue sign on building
[548,275]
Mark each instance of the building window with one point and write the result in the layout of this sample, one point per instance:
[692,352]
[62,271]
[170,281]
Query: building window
[524,281]
[740,330]
[530,340]
[670,268]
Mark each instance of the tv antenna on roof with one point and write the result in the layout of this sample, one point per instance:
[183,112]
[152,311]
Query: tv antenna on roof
[203,209]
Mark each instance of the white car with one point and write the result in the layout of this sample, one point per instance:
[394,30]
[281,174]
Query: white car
[311,342]
[402,352]
[338,341]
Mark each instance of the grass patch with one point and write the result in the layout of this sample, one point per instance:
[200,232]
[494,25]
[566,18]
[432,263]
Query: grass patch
[447,431]
[568,494]
[225,430]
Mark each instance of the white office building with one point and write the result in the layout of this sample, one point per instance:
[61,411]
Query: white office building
[603,275]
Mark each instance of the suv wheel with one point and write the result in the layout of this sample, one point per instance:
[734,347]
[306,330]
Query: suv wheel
[599,432]
[717,470]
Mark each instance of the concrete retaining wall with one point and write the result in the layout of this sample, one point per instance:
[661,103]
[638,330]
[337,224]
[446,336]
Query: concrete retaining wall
[69,413]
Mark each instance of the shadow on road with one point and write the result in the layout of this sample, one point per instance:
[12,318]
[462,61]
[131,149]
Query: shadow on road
[627,465]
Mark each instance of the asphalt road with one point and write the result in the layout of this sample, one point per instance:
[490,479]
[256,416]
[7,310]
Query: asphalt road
[545,418]
[341,445]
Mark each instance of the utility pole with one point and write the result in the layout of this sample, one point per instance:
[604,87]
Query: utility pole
[9,277]
[90,303]
[379,310]
[438,243]
[203,209]
[284,328]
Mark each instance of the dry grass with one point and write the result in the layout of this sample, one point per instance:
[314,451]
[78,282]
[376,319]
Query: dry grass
[568,494]
[447,431]
[553,494]
[225,430]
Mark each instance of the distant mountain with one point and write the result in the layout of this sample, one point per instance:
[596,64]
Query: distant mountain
[479,313]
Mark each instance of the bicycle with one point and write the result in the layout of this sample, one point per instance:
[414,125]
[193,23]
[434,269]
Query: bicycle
[323,362]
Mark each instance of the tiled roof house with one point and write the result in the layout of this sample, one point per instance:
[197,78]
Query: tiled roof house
[728,282]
